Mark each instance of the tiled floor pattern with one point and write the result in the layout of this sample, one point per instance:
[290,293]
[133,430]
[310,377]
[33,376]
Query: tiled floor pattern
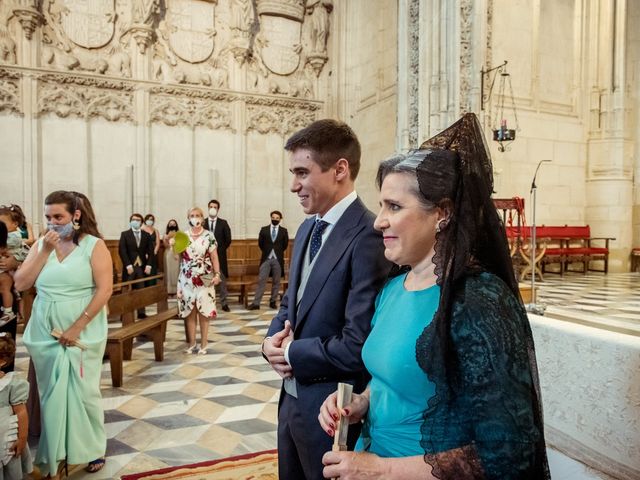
[192,408]
[602,300]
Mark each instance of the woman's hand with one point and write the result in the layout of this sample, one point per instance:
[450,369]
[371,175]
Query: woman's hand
[70,335]
[354,466]
[216,280]
[330,414]
[49,241]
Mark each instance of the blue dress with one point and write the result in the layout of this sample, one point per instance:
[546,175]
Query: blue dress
[399,388]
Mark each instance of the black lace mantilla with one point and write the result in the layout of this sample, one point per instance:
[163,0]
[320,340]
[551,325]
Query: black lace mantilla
[485,420]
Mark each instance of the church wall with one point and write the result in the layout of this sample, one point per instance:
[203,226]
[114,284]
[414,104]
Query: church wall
[159,105]
[541,41]
[369,88]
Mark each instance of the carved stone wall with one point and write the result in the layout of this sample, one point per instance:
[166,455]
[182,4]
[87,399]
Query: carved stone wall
[131,68]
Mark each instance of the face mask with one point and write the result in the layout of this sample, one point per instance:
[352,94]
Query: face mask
[275,222]
[64,231]
[149,223]
[213,212]
[135,224]
[173,228]
[195,221]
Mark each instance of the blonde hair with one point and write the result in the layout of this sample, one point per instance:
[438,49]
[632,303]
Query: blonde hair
[195,209]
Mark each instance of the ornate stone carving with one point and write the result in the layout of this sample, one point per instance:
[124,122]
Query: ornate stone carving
[190,111]
[316,27]
[277,120]
[414,73]
[241,17]
[207,74]
[241,20]
[80,35]
[9,92]
[27,14]
[297,86]
[7,44]
[466,10]
[87,98]
[191,28]
[278,42]
[136,18]
[89,23]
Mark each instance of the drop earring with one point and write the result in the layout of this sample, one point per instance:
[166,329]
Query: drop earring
[76,225]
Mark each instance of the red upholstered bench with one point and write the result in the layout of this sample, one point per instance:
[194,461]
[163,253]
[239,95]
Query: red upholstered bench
[566,245]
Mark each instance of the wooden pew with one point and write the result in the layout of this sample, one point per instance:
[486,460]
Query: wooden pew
[125,304]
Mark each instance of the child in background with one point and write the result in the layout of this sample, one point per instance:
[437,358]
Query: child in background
[15,457]
[11,244]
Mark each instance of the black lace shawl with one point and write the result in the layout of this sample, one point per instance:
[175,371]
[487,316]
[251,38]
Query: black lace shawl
[485,419]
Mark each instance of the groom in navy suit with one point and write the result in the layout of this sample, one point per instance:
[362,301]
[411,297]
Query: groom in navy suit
[338,267]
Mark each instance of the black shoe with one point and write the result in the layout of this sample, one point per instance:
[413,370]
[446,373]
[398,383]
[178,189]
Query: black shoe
[272,305]
[226,308]
[253,307]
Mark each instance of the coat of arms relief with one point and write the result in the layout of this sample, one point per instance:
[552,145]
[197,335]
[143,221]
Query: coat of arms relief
[275,47]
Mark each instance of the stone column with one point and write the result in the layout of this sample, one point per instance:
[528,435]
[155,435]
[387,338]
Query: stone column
[141,46]
[609,146]
[633,72]
[28,44]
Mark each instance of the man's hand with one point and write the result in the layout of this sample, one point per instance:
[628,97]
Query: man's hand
[129,269]
[274,351]
[147,270]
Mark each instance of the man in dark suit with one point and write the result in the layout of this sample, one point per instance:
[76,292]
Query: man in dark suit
[273,240]
[136,253]
[222,234]
[338,267]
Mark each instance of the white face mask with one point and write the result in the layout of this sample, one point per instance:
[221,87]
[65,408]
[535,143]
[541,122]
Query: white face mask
[213,212]
[195,221]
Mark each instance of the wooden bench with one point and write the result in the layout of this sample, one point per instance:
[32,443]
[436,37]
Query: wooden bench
[564,245]
[243,280]
[125,303]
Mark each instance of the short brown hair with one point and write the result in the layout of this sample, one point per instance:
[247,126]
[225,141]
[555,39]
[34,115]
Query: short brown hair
[330,140]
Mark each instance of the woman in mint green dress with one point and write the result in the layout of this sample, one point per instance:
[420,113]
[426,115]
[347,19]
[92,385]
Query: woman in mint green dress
[71,269]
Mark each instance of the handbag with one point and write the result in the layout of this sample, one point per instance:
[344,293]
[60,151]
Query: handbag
[207,279]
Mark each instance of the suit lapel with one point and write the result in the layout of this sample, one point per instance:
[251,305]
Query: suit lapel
[339,239]
[295,267]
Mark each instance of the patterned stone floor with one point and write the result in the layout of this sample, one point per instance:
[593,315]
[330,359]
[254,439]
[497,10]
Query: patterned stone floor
[192,408]
[189,408]
[606,301]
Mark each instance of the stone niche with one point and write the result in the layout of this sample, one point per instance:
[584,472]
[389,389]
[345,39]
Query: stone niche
[158,105]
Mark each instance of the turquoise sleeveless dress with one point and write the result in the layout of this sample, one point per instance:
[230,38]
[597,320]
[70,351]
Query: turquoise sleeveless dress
[68,379]
[399,388]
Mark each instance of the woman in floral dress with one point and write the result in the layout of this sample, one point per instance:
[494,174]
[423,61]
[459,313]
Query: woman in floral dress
[199,274]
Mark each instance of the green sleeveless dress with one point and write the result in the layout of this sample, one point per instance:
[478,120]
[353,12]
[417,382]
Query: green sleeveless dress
[68,379]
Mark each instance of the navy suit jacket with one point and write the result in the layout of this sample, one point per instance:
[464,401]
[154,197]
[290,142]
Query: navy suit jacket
[334,316]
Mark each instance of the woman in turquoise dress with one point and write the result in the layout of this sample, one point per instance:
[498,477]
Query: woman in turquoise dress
[71,269]
[454,392]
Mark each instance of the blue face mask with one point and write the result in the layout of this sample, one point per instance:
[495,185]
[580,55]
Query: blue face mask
[135,224]
[64,231]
